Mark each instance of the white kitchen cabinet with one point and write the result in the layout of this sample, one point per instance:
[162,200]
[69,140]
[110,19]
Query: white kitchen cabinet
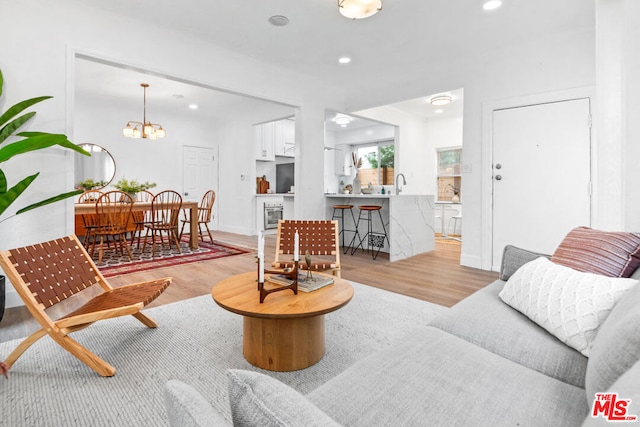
[265,141]
[342,156]
[285,138]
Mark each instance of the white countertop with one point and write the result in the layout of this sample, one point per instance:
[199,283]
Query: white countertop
[361,196]
[275,195]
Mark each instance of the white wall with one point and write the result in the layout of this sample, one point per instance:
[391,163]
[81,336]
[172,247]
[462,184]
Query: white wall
[158,161]
[631,109]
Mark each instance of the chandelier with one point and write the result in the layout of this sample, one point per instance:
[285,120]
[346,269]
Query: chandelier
[143,129]
[359,9]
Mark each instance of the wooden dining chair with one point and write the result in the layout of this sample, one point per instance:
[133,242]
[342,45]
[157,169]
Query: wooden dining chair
[49,273]
[89,221]
[114,214]
[204,215]
[165,213]
[141,218]
[319,237]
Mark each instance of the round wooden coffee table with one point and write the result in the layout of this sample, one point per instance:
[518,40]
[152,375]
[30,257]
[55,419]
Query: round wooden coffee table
[286,331]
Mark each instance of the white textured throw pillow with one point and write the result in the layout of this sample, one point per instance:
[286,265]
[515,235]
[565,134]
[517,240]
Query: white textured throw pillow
[568,303]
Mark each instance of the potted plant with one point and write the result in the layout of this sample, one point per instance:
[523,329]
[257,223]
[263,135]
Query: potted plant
[456,193]
[132,186]
[90,184]
[13,144]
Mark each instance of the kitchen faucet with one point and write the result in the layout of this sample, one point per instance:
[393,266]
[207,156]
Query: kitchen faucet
[404,182]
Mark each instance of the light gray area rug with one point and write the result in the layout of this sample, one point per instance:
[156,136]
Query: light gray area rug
[195,342]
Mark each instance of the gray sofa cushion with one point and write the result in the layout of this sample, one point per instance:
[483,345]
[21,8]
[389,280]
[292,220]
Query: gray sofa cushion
[433,378]
[627,387]
[259,400]
[513,258]
[617,345]
[187,408]
[483,319]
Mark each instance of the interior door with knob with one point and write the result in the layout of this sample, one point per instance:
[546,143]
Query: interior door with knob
[200,168]
[541,175]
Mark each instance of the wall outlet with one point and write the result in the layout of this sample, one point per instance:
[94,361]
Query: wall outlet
[467,168]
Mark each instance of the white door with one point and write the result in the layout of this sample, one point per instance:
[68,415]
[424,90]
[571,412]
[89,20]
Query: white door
[200,175]
[541,174]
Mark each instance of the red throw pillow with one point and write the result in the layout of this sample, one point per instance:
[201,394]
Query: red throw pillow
[612,254]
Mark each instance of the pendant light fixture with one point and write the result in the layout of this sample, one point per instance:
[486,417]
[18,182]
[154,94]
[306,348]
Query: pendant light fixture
[143,129]
[359,9]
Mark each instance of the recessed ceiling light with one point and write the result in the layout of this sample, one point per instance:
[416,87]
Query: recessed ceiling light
[492,4]
[193,106]
[278,20]
[344,60]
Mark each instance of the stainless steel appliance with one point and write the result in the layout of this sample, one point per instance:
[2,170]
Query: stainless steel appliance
[272,214]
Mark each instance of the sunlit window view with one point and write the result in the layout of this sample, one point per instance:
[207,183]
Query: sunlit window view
[449,177]
[377,164]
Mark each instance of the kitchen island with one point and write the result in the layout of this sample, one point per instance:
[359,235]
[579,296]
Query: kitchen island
[408,220]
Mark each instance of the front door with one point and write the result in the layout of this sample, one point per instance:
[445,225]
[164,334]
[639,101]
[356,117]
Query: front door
[541,174]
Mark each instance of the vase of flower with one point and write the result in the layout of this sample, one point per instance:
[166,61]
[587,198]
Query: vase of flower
[357,185]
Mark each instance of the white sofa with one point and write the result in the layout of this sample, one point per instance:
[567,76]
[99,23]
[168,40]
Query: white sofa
[482,363]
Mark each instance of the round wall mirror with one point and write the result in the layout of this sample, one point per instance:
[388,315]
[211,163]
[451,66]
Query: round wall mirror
[96,171]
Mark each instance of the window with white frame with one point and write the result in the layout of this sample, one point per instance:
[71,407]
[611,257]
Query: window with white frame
[377,163]
[448,173]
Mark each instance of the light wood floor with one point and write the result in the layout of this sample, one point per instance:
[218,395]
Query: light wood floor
[436,276]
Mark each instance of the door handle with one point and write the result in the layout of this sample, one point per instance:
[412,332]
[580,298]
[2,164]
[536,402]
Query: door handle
[498,177]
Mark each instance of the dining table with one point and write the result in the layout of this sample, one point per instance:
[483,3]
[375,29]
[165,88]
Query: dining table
[192,207]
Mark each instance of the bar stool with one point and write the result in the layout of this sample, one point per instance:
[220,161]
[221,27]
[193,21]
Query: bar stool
[342,208]
[455,219]
[375,238]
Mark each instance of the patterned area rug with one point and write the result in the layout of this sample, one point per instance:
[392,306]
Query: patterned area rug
[114,263]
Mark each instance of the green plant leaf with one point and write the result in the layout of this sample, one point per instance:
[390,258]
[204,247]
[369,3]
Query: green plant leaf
[3,182]
[1,82]
[37,141]
[50,200]
[14,125]
[64,142]
[29,144]
[19,108]
[14,192]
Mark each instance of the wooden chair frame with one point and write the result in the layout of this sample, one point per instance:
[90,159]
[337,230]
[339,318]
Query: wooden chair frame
[204,215]
[48,273]
[320,237]
[165,213]
[113,210]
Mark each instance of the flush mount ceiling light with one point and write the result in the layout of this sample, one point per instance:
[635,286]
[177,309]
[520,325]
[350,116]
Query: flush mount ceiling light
[492,4]
[440,100]
[278,20]
[344,60]
[342,120]
[359,9]
[143,129]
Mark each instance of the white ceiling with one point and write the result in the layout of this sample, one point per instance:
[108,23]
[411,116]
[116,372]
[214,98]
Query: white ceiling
[399,46]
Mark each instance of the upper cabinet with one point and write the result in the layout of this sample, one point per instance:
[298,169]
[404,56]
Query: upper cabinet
[275,139]
[264,139]
[285,138]
[343,164]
